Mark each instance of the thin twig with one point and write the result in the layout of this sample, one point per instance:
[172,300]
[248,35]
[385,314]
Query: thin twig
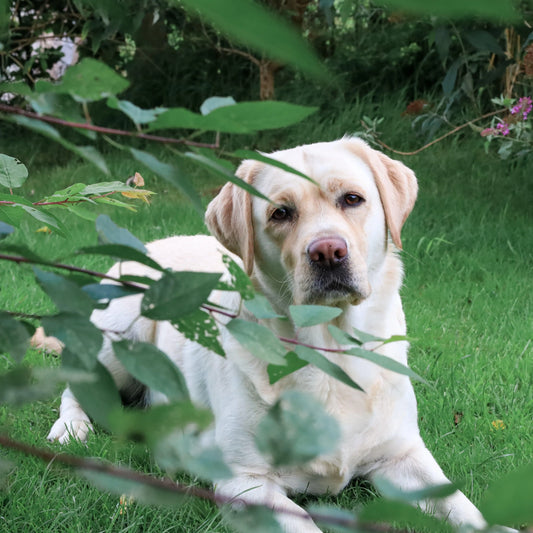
[170,486]
[101,129]
[435,141]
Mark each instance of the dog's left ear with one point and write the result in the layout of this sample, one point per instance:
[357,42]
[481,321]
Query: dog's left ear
[229,216]
[396,183]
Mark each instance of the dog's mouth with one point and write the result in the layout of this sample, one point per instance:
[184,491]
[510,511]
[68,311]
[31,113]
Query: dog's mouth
[335,286]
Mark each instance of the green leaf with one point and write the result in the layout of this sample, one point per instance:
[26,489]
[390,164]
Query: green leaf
[310,315]
[171,174]
[484,41]
[16,87]
[250,154]
[258,340]
[296,430]
[99,398]
[293,363]
[200,327]
[14,337]
[78,334]
[110,233]
[245,117]
[108,291]
[323,363]
[485,9]
[260,307]
[334,519]
[59,105]
[86,152]
[5,229]
[13,173]
[65,294]
[146,363]
[135,113]
[253,25]
[239,281]
[150,425]
[386,362]
[186,452]
[123,252]
[25,385]
[508,499]
[177,294]
[392,492]
[46,218]
[138,491]
[215,102]
[252,518]
[87,81]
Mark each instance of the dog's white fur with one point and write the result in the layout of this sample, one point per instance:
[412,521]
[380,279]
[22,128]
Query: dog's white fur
[380,436]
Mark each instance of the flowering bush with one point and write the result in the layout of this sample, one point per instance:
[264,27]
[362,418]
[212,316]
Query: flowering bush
[513,131]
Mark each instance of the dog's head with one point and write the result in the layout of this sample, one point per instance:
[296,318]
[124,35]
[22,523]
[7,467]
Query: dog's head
[321,242]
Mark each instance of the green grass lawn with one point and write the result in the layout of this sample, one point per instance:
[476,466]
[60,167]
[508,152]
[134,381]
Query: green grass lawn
[467,296]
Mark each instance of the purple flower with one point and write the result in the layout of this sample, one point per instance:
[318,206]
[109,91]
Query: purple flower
[524,106]
[503,128]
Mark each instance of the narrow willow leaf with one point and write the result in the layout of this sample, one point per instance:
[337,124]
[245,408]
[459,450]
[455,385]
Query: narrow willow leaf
[508,499]
[122,252]
[78,334]
[177,294]
[253,25]
[108,291]
[110,233]
[138,491]
[65,294]
[295,430]
[215,102]
[245,117]
[13,173]
[135,113]
[386,362]
[257,156]
[201,328]
[311,315]
[221,171]
[46,218]
[258,340]
[87,81]
[99,398]
[240,281]
[150,425]
[393,492]
[170,173]
[341,336]
[88,153]
[293,363]
[260,307]
[146,363]
[185,451]
[5,229]
[14,337]
[320,361]
[252,518]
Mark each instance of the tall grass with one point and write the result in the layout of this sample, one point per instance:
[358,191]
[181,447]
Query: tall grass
[467,296]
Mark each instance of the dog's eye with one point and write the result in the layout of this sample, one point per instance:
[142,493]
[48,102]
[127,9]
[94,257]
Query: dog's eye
[352,200]
[281,214]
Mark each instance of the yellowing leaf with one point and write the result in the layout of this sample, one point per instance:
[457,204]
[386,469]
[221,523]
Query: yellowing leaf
[498,425]
[44,229]
[138,195]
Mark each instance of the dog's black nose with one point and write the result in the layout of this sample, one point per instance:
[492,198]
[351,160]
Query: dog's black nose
[328,251]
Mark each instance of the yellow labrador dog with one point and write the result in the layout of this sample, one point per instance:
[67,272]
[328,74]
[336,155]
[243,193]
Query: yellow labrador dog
[332,242]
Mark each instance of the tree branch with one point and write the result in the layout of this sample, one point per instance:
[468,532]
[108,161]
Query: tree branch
[101,129]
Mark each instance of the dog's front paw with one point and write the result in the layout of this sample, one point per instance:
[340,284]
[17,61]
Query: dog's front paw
[65,429]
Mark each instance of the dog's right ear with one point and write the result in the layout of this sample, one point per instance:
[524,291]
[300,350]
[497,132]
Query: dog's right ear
[229,216]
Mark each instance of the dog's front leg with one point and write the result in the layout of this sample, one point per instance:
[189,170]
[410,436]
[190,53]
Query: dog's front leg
[417,469]
[72,421]
[258,490]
